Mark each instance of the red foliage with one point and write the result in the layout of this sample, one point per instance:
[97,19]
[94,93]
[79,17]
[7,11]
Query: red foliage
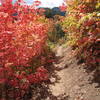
[22,37]
[63,7]
[37,3]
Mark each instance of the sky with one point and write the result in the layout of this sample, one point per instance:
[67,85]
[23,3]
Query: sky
[46,3]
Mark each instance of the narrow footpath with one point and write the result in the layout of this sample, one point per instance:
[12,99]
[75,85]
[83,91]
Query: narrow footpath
[69,79]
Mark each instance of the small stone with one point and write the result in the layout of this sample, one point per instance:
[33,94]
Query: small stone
[52,80]
[47,98]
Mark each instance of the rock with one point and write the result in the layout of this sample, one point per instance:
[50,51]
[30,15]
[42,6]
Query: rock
[59,51]
[52,80]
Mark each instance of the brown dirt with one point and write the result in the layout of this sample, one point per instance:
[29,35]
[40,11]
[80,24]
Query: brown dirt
[68,80]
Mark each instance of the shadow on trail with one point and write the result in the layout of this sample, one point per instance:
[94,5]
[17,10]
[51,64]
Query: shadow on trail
[95,70]
[96,78]
[41,91]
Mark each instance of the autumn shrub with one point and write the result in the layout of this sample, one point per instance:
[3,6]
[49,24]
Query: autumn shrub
[82,24]
[23,35]
[55,30]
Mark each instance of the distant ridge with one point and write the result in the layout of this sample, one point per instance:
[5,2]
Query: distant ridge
[50,12]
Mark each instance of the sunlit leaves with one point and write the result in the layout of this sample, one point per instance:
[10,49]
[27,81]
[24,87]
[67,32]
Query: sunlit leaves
[82,27]
[22,38]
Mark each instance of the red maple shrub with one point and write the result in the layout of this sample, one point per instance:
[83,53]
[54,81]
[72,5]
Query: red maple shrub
[22,38]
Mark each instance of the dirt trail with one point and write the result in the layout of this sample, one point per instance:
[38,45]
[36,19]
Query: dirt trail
[69,80]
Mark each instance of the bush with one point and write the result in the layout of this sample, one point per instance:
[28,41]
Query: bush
[83,28]
[22,38]
[55,30]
